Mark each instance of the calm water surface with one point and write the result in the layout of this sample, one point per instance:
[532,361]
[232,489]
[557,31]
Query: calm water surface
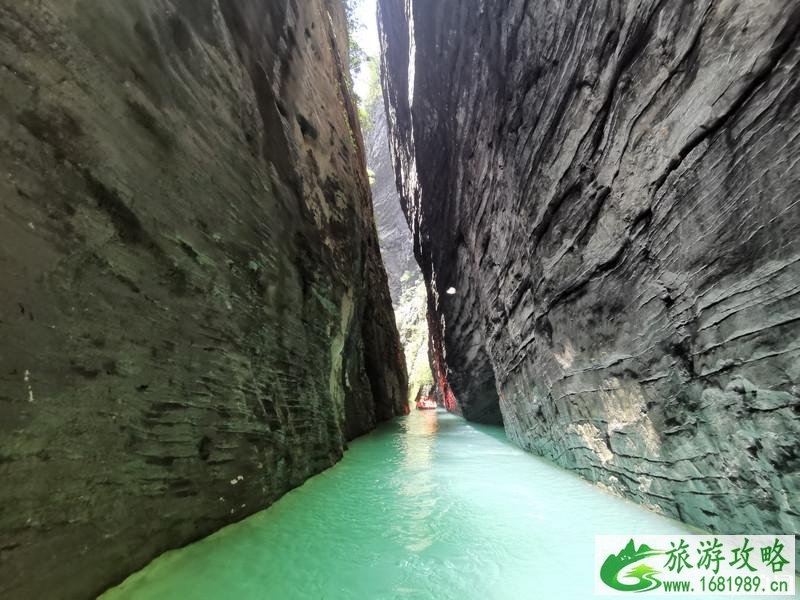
[427,507]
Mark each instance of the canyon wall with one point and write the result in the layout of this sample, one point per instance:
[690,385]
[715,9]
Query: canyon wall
[406,284]
[194,314]
[611,191]
[394,235]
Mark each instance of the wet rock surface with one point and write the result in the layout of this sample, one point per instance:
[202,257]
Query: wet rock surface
[611,190]
[194,314]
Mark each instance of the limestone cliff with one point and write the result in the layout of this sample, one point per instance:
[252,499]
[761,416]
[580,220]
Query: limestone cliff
[406,283]
[393,231]
[194,314]
[611,190]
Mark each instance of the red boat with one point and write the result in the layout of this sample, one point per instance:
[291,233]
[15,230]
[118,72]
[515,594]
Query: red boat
[426,403]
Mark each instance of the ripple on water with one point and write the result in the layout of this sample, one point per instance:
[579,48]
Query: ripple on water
[427,507]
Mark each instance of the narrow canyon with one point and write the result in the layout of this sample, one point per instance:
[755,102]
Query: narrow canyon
[231,274]
[611,189]
[195,315]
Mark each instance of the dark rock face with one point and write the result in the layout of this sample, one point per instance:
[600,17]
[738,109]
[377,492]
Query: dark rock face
[194,314]
[612,190]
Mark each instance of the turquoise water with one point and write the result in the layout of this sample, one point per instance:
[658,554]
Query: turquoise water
[427,507]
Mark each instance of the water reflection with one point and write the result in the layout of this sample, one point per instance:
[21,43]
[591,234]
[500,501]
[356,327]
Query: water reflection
[428,506]
[415,479]
[418,439]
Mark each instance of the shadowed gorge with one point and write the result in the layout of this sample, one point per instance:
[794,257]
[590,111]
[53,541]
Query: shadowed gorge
[609,191]
[399,299]
[406,284]
[195,316]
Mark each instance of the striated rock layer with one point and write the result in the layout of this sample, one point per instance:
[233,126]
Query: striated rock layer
[394,234]
[194,314]
[612,190]
[406,284]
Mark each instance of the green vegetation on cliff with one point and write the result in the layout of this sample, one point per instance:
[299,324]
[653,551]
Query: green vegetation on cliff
[409,313]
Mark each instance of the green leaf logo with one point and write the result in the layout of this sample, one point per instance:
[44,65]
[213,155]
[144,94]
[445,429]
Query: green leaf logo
[630,556]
